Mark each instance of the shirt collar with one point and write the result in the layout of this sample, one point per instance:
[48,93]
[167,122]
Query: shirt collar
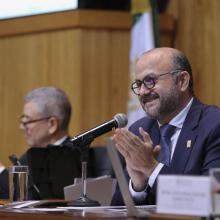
[179,119]
[60,141]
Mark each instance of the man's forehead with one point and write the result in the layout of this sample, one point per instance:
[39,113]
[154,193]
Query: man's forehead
[30,110]
[153,69]
[154,58]
[146,74]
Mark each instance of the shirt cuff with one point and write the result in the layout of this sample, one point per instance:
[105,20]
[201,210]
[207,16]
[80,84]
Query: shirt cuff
[2,168]
[154,174]
[139,196]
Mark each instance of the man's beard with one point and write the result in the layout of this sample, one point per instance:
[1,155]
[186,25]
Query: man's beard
[164,105]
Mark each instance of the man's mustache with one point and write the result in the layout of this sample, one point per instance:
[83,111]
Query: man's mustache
[149,97]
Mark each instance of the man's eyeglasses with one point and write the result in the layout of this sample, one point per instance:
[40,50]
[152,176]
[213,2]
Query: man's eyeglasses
[25,123]
[149,81]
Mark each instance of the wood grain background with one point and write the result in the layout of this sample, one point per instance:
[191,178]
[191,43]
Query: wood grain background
[86,53]
[88,60]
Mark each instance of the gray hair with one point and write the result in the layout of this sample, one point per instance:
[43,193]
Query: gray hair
[51,101]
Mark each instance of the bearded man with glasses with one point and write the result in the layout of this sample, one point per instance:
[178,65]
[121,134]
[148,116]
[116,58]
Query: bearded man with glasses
[44,121]
[179,134]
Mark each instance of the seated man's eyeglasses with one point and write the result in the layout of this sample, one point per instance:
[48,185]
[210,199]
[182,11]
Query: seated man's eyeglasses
[149,81]
[25,123]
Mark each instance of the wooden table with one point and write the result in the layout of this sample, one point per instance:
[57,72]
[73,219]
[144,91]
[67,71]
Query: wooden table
[20,214]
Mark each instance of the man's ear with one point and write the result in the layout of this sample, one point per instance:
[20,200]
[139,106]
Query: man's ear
[183,80]
[53,125]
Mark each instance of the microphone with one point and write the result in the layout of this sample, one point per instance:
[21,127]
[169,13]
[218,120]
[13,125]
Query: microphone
[120,120]
[14,160]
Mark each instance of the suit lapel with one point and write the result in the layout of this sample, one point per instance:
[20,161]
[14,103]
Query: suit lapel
[151,127]
[155,133]
[187,137]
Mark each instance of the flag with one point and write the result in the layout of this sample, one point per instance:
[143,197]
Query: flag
[142,40]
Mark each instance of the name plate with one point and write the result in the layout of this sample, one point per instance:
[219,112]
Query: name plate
[185,195]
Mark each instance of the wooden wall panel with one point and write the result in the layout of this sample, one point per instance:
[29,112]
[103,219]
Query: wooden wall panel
[198,36]
[32,61]
[167,28]
[90,64]
[107,78]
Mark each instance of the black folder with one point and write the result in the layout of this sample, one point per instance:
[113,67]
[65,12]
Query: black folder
[53,168]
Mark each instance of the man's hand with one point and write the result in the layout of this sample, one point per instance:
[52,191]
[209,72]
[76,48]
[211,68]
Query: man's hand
[140,155]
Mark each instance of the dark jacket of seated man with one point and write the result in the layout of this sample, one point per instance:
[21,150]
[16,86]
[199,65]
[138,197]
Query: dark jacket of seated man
[50,169]
[54,167]
[4,184]
[164,85]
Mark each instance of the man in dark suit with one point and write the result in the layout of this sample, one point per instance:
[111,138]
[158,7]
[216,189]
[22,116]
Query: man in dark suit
[191,143]
[45,120]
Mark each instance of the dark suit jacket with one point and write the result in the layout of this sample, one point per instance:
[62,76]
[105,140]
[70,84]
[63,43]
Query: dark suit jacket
[50,169]
[4,185]
[202,129]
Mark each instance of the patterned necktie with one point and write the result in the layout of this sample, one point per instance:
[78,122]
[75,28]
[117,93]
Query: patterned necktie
[166,132]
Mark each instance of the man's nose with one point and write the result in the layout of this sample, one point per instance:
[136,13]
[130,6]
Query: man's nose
[143,89]
[21,126]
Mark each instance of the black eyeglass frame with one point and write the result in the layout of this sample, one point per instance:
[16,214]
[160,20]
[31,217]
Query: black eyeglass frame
[33,121]
[152,83]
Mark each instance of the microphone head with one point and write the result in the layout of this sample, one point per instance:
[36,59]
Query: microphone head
[121,120]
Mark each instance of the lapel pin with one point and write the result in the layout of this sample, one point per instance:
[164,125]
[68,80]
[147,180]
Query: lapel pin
[189,142]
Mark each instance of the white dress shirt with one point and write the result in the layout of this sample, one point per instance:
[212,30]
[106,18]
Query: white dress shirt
[177,121]
[2,168]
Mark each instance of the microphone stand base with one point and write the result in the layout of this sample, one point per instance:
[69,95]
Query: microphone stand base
[83,201]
